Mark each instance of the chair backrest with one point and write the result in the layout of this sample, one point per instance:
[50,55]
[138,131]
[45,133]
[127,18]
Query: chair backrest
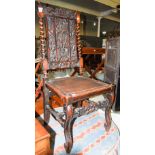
[112,67]
[112,61]
[61,37]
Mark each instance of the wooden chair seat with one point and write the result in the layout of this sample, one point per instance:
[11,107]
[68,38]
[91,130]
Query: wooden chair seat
[73,89]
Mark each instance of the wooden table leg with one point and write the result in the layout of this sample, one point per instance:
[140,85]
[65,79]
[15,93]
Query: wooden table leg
[68,127]
[93,75]
[75,71]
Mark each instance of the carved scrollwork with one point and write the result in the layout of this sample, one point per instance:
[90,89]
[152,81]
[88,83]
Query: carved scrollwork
[93,106]
[110,98]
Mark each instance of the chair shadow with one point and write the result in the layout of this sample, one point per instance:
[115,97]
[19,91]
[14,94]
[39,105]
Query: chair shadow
[49,130]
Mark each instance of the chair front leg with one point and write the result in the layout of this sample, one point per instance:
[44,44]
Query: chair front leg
[68,128]
[107,123]
[109,99]
[45,103]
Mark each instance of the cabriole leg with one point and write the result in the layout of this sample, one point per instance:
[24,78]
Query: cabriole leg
[107,123]
[68,128]
[108,119]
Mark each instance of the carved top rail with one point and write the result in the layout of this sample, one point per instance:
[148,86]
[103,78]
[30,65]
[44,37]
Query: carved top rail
[59,12]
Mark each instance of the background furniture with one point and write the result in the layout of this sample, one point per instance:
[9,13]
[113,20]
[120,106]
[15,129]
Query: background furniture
[64,51]
[90,65]
[112,67]
[42,140]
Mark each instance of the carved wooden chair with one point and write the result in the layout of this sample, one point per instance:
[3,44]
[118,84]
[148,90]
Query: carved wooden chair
[64,51]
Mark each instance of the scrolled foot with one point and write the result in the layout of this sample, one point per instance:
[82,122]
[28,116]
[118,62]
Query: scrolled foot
[68,146]
[107,127]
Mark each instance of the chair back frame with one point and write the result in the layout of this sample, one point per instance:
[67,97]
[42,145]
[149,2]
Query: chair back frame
[63,49]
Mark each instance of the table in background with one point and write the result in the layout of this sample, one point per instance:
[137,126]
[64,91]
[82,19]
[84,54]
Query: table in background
[92,68]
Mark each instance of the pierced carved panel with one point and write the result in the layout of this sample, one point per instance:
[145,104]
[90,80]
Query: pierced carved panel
[61,38]
[60,12]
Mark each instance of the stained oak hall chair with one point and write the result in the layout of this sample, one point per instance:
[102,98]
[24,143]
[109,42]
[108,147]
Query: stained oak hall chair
[63,51]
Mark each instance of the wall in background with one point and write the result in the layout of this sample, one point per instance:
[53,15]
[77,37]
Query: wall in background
[89,25]
[109,25]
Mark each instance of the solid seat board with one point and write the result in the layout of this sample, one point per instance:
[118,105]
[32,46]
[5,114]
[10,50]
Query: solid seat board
[77,87]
